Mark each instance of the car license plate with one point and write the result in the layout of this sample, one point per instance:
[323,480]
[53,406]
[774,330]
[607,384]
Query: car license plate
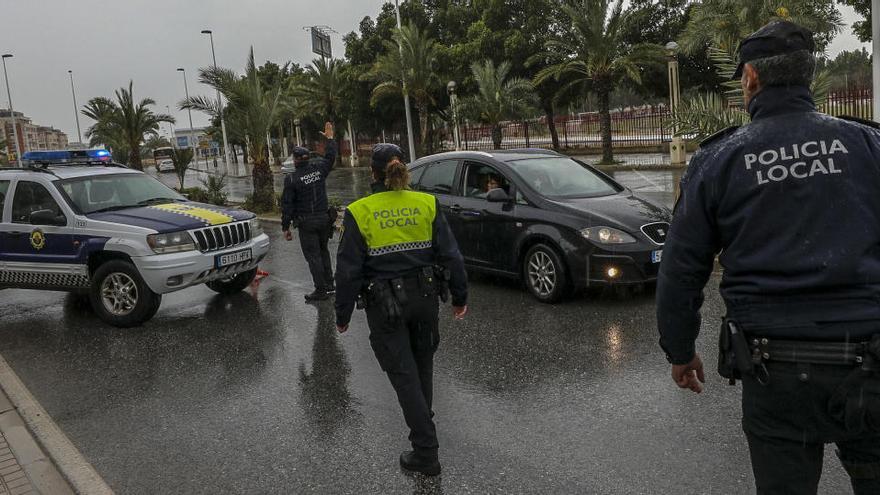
[233,258]
[656,256]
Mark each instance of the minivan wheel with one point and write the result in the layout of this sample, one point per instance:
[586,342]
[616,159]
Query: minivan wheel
[120,297]
[544,274]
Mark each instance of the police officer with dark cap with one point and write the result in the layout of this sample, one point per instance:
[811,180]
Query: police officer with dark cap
[791,201]
[304,205]
[397,258]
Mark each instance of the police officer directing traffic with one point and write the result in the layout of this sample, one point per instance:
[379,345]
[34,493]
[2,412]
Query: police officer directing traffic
[304,206]
[791,201]
[399,257]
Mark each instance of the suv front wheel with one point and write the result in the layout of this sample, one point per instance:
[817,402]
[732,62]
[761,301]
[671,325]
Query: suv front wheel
[120,296]
[544,274]
[233,284]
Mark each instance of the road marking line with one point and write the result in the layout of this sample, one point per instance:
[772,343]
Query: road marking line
[81,475]
[649,181]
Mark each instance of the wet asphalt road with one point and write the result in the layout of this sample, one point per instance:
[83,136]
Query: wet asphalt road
[257,394]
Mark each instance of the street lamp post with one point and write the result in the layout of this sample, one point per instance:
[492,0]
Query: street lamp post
[875,29]
[171,126]
[219,103]
[299,141]
[677,150]
[453,101]
[192,132]
[75,108]
[11,111]
[409,125]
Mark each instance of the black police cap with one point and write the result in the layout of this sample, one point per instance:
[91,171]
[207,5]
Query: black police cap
[300,153]
[384,153]
[776,38]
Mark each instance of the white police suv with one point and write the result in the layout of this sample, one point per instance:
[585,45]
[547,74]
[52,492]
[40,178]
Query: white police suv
[74,221]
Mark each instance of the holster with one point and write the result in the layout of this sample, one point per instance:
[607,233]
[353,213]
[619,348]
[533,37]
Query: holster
[443,275]
[735,359]
[856,403]
[379,294]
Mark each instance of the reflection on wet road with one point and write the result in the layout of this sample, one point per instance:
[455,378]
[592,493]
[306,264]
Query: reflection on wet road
[256,393]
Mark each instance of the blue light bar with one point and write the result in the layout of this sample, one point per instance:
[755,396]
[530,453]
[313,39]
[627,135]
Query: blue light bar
[67,156]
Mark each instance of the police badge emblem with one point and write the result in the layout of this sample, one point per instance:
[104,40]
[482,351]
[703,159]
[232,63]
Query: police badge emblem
[38,239]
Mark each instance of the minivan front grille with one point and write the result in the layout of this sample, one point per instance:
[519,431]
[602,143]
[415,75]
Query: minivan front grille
[222,236]
[656,232]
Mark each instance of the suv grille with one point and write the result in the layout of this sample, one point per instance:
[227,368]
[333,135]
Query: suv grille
[656,232]
[222,236]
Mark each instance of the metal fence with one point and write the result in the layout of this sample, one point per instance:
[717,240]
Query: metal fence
[854,102]
[631,127]
[646,127]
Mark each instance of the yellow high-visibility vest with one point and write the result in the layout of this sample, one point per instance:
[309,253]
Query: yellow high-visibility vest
[395,221]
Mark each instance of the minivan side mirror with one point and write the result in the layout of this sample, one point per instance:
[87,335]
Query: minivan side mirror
[47,217]
[497,196]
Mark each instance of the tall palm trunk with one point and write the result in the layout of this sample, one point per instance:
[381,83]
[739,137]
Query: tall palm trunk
[497,136]
[264,188]
[604,97]
[134,155]
[551,122]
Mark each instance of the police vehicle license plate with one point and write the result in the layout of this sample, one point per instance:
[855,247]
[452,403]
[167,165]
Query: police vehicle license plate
[233,258]
[656,256]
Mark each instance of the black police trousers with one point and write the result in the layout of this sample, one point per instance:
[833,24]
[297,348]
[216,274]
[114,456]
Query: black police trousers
[405,351]
[789,421]
[314,234]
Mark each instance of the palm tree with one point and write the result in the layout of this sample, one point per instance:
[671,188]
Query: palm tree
[592,52]
[253,109]
[181,158]
[499,98]
[724,23]
[122,124]
[408,66]
[320,92]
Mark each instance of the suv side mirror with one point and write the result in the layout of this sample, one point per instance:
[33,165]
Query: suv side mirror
[47,217]
[497,196]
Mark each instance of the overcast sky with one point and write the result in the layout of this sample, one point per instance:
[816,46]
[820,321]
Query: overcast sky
[108,42]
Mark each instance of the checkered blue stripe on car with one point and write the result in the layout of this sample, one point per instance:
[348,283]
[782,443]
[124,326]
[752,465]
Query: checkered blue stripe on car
[67,280]
[399,248]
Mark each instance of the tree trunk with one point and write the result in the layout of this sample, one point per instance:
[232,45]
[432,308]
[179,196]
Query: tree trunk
[263,198]
[604,97]
[497,136]
[551,123]
[423,125]
[134,156]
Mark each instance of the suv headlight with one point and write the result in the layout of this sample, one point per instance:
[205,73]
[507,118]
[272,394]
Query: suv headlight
[174,242]
[607,235]
[256,228]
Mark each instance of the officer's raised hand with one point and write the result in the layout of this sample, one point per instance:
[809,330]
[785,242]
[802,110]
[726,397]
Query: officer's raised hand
[690,375]
[328,131]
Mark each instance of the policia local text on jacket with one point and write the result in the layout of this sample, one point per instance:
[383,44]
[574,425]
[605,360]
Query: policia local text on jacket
[791,202]
[305,206]
[391,244]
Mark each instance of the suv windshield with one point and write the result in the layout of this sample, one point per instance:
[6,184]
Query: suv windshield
[116,192]
[562,177]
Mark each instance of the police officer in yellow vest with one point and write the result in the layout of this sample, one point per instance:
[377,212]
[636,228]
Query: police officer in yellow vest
[398,258]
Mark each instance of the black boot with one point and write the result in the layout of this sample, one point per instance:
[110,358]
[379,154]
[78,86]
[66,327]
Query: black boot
[318,295]
[331,289]
[426,463]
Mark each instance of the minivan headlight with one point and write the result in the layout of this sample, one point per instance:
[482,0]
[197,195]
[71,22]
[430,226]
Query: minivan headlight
[607,235]
[256,228]
[173,242]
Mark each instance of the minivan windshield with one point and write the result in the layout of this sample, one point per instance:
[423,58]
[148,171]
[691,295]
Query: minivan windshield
[116,192]
[562,177]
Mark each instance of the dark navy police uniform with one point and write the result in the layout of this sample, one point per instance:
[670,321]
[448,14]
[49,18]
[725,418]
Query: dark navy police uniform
[390,248]
[305,206]
[791,202]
